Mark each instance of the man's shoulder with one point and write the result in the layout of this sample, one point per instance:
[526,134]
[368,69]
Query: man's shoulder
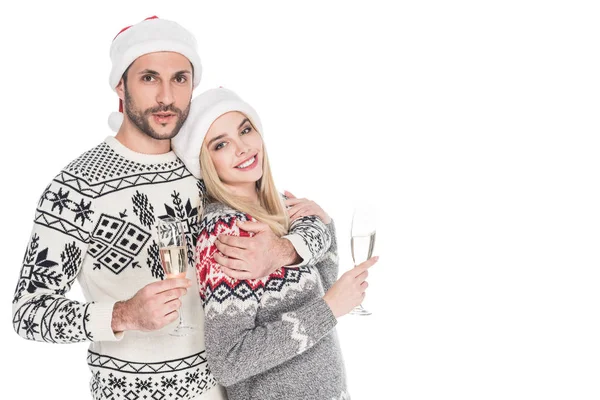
[87,164]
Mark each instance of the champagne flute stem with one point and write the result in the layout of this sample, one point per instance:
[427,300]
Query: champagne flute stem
[181,315]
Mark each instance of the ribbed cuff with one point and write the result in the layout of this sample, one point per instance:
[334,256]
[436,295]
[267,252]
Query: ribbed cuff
[300,247]
[100,323]
[317,318]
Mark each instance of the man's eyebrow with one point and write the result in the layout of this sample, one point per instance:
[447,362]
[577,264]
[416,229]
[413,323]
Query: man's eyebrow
[148,71]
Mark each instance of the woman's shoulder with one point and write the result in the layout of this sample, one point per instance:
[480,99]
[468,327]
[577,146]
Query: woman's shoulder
[221,213]
[216,210]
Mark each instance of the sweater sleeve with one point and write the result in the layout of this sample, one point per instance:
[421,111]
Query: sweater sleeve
[311,239]
[328,265]
[237,345]
[53,259]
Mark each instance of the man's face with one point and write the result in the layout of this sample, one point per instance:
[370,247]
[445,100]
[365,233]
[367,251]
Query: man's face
[157,93]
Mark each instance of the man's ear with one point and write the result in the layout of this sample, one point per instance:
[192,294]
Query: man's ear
[121,89]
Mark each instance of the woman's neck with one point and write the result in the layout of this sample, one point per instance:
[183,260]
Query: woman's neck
[246,191]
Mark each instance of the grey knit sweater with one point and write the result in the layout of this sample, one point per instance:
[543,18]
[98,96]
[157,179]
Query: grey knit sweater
[270,338]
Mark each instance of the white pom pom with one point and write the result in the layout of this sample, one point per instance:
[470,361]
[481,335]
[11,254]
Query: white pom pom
[115,120]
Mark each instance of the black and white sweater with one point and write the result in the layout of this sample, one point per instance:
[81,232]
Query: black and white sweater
[95,222]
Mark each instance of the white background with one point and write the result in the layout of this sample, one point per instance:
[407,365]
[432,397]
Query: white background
[474,127]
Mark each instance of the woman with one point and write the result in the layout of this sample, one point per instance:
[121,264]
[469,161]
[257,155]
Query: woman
[269,338]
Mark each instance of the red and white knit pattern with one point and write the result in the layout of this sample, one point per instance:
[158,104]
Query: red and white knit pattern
[219,292]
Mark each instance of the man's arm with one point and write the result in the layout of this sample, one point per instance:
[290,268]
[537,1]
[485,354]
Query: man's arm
[260,255]
[307,217]
[306,244]
[53,259]
[311,239]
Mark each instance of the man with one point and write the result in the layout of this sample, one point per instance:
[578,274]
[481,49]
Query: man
[96,222]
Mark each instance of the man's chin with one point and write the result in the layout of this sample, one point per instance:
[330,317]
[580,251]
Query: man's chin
[166,132]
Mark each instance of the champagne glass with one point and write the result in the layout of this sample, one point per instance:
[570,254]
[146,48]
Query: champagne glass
[363,241]
[173,257]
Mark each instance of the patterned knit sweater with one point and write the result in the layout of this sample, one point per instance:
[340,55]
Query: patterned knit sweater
[270,338]
[95,222]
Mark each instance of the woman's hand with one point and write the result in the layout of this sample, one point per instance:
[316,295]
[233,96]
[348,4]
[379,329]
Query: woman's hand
[303,208]
[349,291]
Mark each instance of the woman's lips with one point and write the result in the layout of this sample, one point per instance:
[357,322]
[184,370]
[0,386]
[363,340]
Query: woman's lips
[248,164]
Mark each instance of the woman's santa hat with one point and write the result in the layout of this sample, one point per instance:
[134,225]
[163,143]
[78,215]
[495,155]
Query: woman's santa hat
[205,109]
[149,36]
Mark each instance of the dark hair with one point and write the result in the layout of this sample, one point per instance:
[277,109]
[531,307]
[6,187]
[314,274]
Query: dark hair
[124,76]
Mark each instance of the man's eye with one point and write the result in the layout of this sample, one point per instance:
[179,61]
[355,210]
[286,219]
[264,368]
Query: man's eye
[181,79]
[148,78]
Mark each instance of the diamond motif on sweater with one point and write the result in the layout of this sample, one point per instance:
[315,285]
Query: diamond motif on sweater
[116,242]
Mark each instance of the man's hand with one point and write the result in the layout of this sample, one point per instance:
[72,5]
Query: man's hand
[151,308]
[254,257]
[303,208]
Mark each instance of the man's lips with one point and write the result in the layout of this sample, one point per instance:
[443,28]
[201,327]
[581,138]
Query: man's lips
[163,118]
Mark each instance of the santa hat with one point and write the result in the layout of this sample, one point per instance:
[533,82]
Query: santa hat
[149,36]
[204,110]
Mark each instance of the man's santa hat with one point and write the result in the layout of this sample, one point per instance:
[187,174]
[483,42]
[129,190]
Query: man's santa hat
[149,36]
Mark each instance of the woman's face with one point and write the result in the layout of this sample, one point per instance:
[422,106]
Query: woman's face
[236,150]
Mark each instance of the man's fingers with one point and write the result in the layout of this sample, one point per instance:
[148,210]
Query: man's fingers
[294,201]
[235,274]
[231,263]
[294,210]
[222,260]
[253,226]
[172,305]
[168,284]
[228,251]
[234,241]
[289,195]
[173,294]
[302,211]
[170,317]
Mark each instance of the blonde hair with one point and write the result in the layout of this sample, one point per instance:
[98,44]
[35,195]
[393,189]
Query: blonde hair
[270,209]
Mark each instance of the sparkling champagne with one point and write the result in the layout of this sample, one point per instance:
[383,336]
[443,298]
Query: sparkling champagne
[362,247]
[174,261]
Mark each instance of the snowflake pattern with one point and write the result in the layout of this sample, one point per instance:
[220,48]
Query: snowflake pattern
[70,206]
[121,382]
[71,259]
[117,383]
[60,200]
[153,261]
[38,271]
[143,209]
